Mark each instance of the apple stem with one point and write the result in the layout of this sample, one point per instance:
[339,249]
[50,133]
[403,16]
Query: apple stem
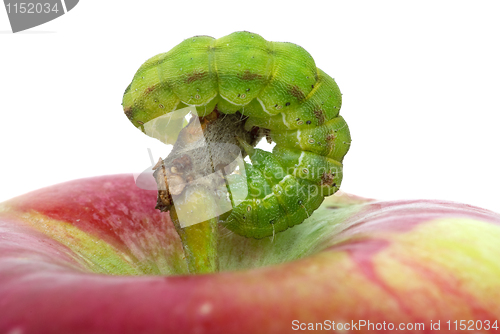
[199,242]
[193,176]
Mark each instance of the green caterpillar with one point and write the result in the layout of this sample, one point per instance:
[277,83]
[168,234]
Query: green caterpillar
[280,89]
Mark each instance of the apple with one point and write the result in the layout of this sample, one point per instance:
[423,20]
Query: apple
[94,256]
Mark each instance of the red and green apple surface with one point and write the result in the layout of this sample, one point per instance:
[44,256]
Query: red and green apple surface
[94,256]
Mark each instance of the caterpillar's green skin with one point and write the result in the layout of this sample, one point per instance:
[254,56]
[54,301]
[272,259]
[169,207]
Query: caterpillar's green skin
[278,86]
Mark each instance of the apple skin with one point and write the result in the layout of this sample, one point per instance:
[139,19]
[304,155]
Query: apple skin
[94,256]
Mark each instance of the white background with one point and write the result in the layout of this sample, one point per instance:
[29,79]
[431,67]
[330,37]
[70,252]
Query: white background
[420,83]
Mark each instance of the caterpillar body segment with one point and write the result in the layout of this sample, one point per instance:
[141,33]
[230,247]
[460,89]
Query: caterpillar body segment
[331,139]
[278,200]
[276,87]
[274,83]
[321,104]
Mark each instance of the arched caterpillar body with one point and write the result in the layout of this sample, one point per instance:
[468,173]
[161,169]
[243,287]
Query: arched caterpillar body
[278,86]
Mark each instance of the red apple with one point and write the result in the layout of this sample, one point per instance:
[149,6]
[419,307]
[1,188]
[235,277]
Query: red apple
[94,256]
